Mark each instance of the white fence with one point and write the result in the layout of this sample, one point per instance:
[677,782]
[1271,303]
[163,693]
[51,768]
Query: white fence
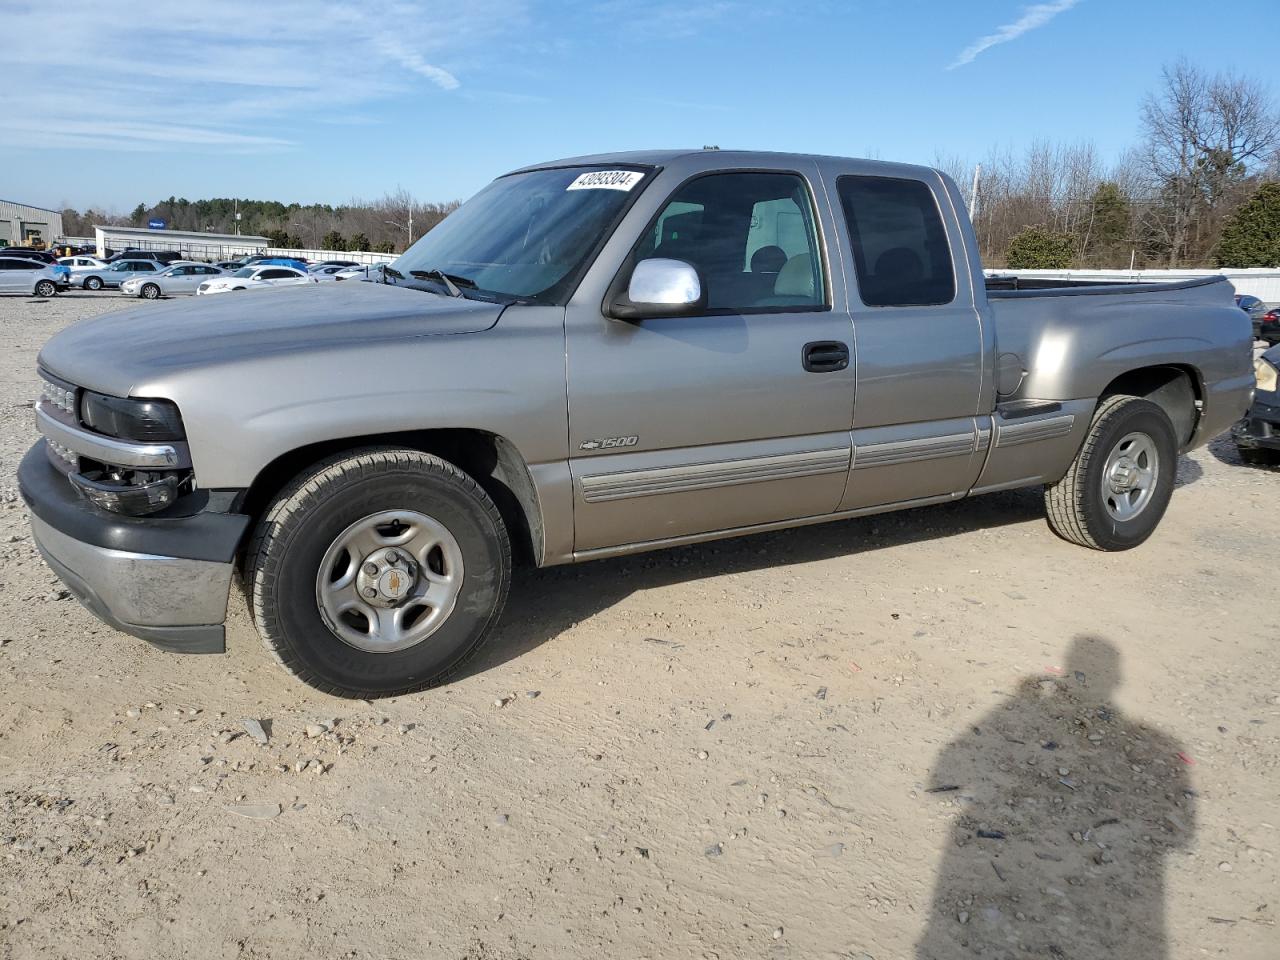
[1261,282]
[359,256]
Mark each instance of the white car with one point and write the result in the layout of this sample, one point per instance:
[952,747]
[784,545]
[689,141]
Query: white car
[328,272]
[371,272]
[19,275]
[82,267]
[252,278]
[178,279]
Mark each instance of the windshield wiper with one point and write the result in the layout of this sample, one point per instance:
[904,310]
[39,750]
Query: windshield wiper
[451,281]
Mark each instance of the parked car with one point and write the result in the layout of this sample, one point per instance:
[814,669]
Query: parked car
[1269,329]
[373,272]
[62,274]
[31,253]
[228,265]
[253,278]
[580,362]
[20,275]
[328,273]
[1255,308]
[159,256]
[181,278]
[291,262]
[1257,436]
[118,272]
[334,263]
[80,267]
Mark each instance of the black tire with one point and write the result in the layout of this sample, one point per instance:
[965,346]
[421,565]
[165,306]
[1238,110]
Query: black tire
[1258,456]
[93,283]
[149,291]
[1076,506]
[290,542]
[46,288]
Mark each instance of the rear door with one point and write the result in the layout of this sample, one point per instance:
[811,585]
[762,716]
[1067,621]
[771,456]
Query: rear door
[918,428]
[680,426]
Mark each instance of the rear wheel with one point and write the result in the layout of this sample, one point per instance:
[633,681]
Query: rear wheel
[93,283]
[1117,489]
[46,288]
[150,291]
[378,572]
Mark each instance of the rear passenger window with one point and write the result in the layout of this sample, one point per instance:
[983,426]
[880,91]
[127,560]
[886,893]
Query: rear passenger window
[899,245]
[752,238]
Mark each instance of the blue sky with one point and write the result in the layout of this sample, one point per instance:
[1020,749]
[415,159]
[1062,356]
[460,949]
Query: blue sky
[324,101]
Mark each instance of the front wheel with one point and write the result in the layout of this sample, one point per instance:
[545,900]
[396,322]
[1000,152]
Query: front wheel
[1118,487]
[378,572]
[46,288]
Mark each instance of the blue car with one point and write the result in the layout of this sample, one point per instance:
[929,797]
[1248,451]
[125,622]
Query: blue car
[282,262]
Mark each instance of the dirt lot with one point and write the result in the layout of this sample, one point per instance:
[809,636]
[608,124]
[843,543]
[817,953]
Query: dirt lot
[943,733]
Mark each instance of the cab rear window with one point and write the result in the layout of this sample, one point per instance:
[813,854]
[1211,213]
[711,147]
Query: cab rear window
[900,247]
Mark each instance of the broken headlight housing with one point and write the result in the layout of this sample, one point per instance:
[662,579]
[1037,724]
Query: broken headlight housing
[126,418]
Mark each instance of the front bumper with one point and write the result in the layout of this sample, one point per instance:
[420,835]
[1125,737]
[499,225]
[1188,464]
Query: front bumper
[164,578]
[1260,428]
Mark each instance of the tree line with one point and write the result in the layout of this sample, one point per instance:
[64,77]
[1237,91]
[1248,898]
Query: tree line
[1200,189]
[380,226]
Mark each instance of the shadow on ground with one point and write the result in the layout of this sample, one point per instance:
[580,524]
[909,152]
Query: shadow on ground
[1057,798]
[544,603]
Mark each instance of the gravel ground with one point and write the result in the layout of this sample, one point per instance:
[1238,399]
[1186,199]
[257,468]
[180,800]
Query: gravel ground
[942,733]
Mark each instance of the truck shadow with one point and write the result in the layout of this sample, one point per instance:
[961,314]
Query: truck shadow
[545,603]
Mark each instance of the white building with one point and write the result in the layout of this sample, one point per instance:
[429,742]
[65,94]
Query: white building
[22,225]
[190,243]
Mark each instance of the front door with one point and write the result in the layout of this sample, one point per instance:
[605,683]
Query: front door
[918,432]
[737,416]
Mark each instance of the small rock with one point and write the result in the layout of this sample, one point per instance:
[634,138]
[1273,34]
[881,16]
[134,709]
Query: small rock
[533,694]
[1225,867]
[702,754]
[777,931]
[501,820]
[405,727]
[132,714]
[165,800]
[501,701]
[714,850]
[316,730]
[255,811]
[255,730]
[963,916]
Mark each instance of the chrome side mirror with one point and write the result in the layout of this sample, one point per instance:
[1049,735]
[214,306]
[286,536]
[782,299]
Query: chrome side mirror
[660,287]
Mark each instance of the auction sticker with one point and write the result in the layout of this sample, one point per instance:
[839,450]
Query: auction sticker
[607,180]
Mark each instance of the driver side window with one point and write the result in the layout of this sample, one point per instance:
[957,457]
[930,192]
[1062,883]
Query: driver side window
[752,238]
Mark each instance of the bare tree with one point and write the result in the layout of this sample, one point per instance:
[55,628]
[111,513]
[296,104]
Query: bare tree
[1205,138]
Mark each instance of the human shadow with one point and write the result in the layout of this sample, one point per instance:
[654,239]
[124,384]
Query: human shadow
[1063,812]
[544,603]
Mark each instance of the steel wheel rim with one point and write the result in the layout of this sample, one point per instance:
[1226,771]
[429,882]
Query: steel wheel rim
[1130,476]
[429,560]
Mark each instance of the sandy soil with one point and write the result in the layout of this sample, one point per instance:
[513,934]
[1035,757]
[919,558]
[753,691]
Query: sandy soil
[714,752]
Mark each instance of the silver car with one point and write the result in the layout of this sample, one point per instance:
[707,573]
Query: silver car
[20,275]
[115,274]
[181,278]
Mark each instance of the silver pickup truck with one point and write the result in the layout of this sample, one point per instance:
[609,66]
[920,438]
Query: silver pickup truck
[594,357]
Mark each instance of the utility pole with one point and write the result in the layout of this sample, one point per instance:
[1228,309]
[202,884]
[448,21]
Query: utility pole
[236,206]
[973,194]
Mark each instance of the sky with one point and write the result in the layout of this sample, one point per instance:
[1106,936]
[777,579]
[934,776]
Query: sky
[327,101]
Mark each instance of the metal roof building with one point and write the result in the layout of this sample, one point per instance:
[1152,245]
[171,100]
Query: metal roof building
[192,243]
[21,225]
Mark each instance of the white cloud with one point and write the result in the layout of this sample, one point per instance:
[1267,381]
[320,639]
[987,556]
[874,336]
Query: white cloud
[1032,17]
[228,76]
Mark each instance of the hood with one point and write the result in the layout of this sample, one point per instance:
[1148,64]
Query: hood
[113,352]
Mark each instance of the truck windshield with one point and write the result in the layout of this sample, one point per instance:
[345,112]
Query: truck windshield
[527,236]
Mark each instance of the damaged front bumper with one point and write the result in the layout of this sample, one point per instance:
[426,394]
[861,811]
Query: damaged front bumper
[164,578]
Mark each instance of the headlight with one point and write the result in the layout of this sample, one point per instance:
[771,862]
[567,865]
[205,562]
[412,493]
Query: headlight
[1266,374]
[130,419]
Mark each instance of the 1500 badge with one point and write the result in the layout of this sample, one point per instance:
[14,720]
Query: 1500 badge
[608,443]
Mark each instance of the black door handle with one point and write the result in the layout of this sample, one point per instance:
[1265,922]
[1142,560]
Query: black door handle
[825,356]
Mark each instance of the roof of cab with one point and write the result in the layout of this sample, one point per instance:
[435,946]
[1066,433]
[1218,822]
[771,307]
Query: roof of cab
[704,158]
